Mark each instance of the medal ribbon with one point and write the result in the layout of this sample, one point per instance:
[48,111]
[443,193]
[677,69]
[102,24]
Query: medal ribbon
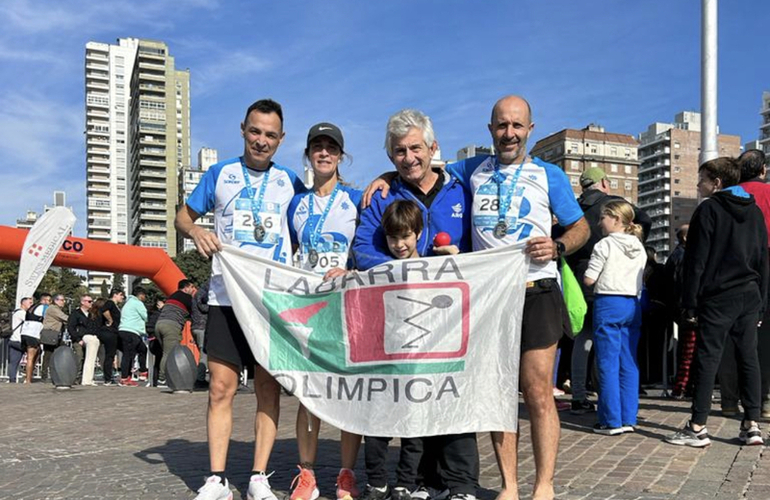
[255,207]
[316,234]
[504,205]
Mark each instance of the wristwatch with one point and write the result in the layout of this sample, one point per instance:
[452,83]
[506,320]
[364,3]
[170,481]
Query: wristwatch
[560,249]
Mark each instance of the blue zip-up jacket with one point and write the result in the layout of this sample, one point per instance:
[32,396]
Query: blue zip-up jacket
[450,212]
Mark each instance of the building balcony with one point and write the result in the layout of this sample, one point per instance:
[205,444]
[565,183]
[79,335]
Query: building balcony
[153,217]
[92,84]
[151,77]
[148,205]
[97,169]
[96,69]
[152,228]
[98,160]
[663,137]
[152,185]
[658,212]
[99,235]
[647,180]
[153,195]
[151,66]
[99,224]
[98,75]
[152,163]
[646,154]
[151,173]
[98,188]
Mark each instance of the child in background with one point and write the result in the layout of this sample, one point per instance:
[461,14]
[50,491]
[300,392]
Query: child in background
[616,269]
[403,224]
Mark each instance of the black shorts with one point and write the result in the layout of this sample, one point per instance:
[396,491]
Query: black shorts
[27,341]
[224,339]
[545,316]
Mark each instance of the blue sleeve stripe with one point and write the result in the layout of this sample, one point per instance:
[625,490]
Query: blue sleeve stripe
[560,196]
[203,198]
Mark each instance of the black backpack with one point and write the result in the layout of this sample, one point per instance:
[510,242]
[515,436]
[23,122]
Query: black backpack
[7,330]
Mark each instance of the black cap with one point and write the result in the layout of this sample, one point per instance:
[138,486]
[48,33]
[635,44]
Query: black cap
[327,129]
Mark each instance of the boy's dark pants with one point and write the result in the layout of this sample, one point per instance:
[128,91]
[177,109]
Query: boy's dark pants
[728,318]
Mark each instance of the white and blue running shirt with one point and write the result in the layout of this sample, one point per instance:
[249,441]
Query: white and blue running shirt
[543,190]
[223,191]
[336,237]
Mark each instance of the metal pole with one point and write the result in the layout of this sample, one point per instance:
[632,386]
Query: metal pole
[709,149]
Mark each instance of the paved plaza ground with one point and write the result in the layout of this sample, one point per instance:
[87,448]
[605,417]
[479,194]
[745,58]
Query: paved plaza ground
[146,443]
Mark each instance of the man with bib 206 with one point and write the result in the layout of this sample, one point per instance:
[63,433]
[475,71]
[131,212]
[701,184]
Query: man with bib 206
[249,196]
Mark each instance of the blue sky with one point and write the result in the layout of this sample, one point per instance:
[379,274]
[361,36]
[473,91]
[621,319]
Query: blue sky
[623,64]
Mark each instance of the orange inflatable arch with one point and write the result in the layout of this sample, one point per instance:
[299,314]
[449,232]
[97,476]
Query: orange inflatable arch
[93,255]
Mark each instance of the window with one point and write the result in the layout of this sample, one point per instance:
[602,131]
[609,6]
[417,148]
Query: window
[573,180]
[575,165]
[613,183]
[676,144]
[594,164]
[676,181]
[629,186]
[676,157]
[629,169]
[676,193]
[613,168]
[628,153]
[677,170]
[614,151]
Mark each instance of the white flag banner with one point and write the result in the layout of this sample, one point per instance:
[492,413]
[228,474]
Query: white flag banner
[410,348]
[40,248]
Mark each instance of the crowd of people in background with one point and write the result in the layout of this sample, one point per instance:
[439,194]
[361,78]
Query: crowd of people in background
[114,335]
[711,293]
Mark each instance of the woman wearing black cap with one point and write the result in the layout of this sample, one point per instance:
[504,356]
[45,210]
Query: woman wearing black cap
[322,223]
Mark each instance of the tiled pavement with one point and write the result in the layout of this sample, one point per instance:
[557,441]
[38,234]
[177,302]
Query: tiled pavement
[143,443]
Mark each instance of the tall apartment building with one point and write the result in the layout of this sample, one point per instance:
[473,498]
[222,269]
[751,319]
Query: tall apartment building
[577,150]
[159,130]
[189,178]
[668,175]
[764,128]
[108,70]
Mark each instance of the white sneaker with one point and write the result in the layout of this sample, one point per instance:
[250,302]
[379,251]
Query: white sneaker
[215,489]
[259,488]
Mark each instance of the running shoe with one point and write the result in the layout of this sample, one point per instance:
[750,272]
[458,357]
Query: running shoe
[751,436]
[400,493]
[688,437]
[143,376]
[259,488]
[581,407]
[428,493]
[127,382]
[215,489]
[372,493]
[347,487]
[606,430]
[304,486]
[628,428]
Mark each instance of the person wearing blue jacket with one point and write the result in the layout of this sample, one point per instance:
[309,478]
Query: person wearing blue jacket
[446,207]
[445,204]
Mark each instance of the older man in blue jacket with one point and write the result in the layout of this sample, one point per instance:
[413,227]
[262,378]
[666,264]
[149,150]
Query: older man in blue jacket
[446,207]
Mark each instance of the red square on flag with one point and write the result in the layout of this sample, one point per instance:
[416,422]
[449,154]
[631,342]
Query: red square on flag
[407,322]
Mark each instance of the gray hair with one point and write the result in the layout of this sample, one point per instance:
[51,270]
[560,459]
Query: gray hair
[400,123]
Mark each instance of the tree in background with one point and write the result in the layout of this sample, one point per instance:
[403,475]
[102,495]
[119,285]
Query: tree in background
[194,266]
[104,289]
[118,281]
[56,280]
